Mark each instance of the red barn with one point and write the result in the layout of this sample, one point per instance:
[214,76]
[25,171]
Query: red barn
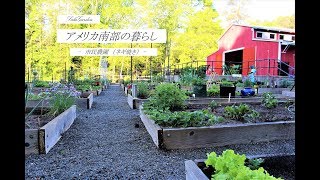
[270,50]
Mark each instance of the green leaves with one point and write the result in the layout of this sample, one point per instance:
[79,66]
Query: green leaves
[168,95]
[167,118]
[240,112]
[269,100]
[230,165]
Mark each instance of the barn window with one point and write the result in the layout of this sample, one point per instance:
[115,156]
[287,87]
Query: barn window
[293,38]
[272,36]
[259,34]
[281,36]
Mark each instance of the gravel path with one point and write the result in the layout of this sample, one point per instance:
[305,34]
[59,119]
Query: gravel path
[105,143]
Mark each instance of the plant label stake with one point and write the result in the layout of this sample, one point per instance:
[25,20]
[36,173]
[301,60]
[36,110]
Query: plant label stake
[229,97]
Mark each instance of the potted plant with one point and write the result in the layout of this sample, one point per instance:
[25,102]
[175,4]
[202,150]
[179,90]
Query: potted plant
[226,88]
[248,88]
[199,87]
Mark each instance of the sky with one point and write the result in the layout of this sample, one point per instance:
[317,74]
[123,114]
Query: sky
[263,9]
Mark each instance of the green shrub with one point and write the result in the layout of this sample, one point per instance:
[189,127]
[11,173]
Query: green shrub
[213,90]
[269,100]
[60,102]
[143,90]
[232,166]
[167,96]
[39,83]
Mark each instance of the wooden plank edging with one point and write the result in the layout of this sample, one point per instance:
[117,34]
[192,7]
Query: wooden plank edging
[85,102]
[196,137]
[31,141]
[219,135]
[193,172]
[50,133]
[153,129]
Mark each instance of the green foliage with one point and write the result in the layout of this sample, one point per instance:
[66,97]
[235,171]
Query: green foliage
[230,165]
[143,90]
[247,83]
[254,163]
[84,87]
[60,102]
[280,22]
[226,83]
[240,112]
[167,118]
[229,70]
[157,78]
[192,30]
[95,88]
[39,83]
[213,104]
[32,96]
[213,90]
[269,100]
[240,84]
[167,96]
[285,83]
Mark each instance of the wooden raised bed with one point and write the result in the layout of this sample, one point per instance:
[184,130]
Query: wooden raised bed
[126,90]
[198,137]
[40,141]
[272,90]
[194,172]
[85,100]
[233,100]
[96,92]
[134,103]
[33,103]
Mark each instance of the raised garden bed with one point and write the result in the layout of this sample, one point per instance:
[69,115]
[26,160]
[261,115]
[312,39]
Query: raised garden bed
[96,92]
[272,90]
[134,103]
[233,100]
[85,100]
[126,90]
[277,165]
[41,137]
[34,103]
[276,126]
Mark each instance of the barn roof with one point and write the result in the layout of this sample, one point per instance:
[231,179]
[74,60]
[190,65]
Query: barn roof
[274,29]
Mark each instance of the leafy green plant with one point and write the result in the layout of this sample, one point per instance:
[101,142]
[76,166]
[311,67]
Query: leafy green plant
[213,90]
[39,83]
[240,84]
[254,163]
[240,112]
[167,95]
[247,83]
[285,83]
[167,118]
[230,165]
[143,90]
[157,78]
[269,100]
[213,104]
[226,83]
[95,88]
[60,102]
[84,87]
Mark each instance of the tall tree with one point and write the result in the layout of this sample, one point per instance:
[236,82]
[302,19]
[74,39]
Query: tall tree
[280,22]
[199,38]
[235,12]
